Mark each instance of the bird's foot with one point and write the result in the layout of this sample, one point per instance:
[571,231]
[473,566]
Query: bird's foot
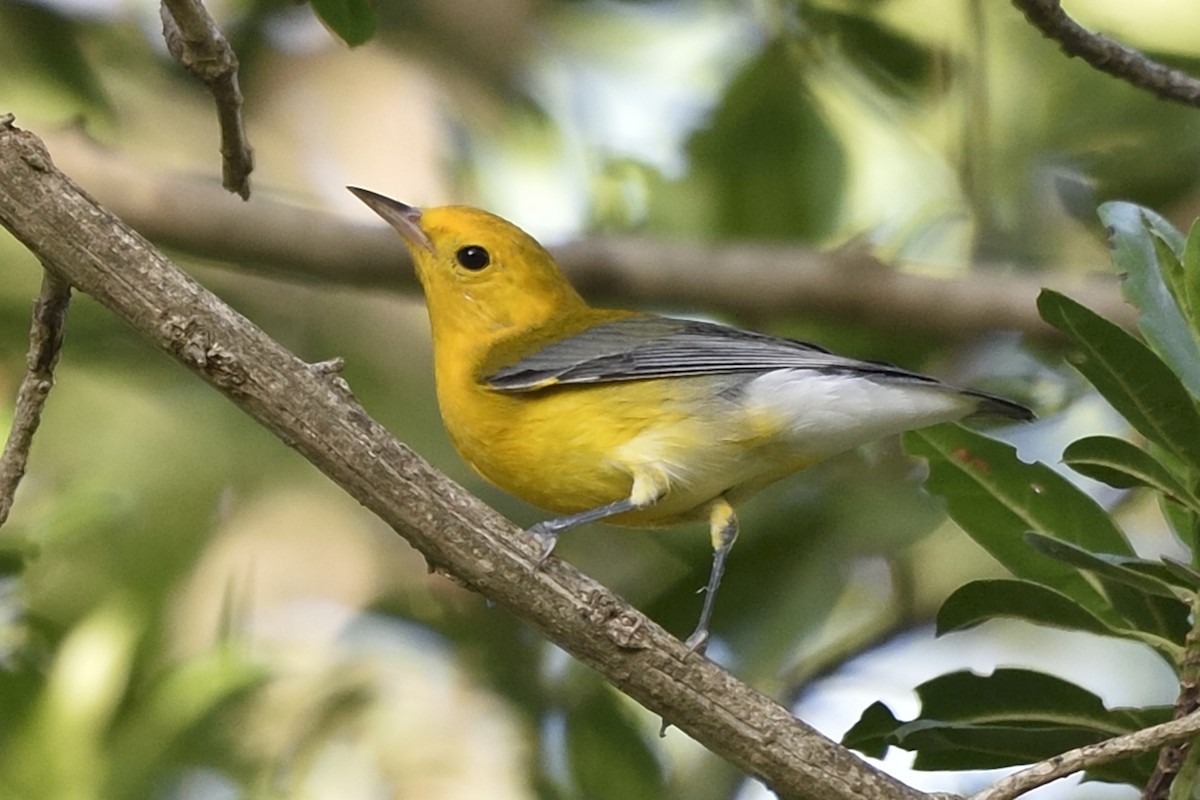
[546,535]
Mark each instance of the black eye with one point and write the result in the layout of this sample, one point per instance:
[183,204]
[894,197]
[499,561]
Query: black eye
[473,257]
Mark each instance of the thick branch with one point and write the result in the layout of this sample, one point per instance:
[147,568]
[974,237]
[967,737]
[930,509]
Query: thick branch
[1093,755]
[195,41]
[757,282]
[86,245]
[45,342]
[1108,56]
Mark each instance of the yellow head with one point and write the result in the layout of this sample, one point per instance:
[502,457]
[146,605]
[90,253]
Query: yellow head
[484,278]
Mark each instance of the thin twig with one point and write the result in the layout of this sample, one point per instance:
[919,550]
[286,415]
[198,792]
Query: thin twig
[195,41]
[1108,56]
[45,342]
[1092,755]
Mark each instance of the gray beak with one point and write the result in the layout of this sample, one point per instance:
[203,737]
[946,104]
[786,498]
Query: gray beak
[405,219]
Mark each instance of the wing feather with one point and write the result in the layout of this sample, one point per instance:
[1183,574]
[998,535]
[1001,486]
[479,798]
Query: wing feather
[642,348]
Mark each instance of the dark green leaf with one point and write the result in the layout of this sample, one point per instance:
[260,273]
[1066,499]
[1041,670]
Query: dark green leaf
[1191,277]
[1103,564]
[869,735]
[607,750]
[1130,376]
[353,21]
[996,498]
[980,601]
[1183,574]
[1013,716]
[1124,465]
[1132,230]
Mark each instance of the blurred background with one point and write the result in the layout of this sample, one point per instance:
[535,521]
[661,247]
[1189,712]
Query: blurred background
[192,611]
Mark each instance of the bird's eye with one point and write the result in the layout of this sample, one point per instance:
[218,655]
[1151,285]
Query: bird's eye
[473,257]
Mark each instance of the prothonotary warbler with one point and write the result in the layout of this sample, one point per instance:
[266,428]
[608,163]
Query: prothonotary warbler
[632,418]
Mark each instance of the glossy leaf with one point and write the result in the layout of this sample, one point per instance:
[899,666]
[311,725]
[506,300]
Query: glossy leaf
[354,21]
[1139,589]
[980,601]
[1124,465]
[1191,278]
[1013,716]
[996,498]
[1132,231]
[1130,376]
[1109,566]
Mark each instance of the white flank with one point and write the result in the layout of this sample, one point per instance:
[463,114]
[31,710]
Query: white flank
[827,414]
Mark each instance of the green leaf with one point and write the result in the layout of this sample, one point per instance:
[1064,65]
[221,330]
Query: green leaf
[980,601]
[1171,269]
[354,21]
[607,750]
[1124,465]
[996,498]
[1191,277]
[1109,566]
[1140,590]
[869,735]
[1132,231]
[1013,716]
[1130,376]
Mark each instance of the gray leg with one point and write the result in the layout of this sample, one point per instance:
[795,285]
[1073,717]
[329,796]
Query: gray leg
[547,532]
[724,530]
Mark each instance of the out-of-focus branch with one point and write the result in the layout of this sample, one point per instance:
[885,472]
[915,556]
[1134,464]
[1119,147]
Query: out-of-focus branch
[45,343]
[195,41]
[1108,56]
[758,282]
[1092,755]
[314,413]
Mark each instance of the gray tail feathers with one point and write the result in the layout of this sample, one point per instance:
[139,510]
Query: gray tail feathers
[992,406]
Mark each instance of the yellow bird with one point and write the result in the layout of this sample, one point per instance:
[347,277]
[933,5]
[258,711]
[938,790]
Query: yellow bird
[628,417]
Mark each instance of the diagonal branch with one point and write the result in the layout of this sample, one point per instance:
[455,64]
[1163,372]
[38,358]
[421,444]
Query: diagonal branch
[86,245]
[1108,56]
[45,342]
[195,41]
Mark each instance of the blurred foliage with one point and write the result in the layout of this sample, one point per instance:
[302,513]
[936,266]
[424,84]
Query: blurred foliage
[187,610]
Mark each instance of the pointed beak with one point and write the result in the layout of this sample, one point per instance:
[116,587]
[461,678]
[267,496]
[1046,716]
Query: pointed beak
[405,219]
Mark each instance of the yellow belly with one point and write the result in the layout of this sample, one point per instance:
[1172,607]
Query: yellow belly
[578,447]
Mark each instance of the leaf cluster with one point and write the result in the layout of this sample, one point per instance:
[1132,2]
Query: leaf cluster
[1073,566]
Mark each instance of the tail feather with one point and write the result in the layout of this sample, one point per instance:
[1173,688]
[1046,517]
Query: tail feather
[992,406]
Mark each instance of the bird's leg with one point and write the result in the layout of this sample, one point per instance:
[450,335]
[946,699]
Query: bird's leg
[724,528]
[649,485]
[547,532]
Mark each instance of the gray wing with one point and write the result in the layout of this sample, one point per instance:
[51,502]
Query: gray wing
[646,347]
[640,348]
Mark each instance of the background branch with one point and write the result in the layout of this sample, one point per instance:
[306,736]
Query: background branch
[195,41]
[315,414]
[1108,56]
[45,343]
[750,281]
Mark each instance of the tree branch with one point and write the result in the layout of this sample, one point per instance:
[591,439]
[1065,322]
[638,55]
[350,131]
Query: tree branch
[1092,755]
[751,281]
[1108,56]
[87,246]
[45,343]
[195,41]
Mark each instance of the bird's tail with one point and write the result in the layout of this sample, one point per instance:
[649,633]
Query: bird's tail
[992,406]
